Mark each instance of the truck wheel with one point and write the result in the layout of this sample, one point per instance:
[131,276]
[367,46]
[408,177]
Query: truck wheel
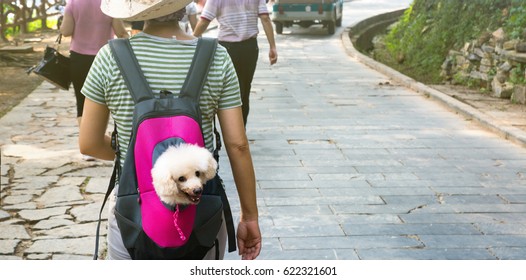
[331,27]
[279,27]
[339,21]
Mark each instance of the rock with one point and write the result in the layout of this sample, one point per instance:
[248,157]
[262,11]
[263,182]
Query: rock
[506,67]
[501,90]
[520,47]
[509,45]
[17,49]
[502,76]
[484,38]
[473,57]
[519,94]
[499,35]
[8,247]
[488,49]
[479,52]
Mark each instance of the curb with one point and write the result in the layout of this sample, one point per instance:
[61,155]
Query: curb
[507,132]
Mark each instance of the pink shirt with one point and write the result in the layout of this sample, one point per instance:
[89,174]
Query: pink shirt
[92,29]
[238,19]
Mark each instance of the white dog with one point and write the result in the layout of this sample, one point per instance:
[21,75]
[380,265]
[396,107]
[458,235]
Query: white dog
[181,172]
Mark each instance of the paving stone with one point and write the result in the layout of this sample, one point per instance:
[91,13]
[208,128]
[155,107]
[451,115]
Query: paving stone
[26,192]
[302,231]
[299,255]
[97,171]
[97,185]
[7,247]
[34,182]
[425,254]
[29,152]
[10,257]
[20,206]
[473,241]
[335,201]
[71,257]
[502,229]
[292,221]
[16,199]
[348,242]
[52,223]
[89,212]
[40,214]
[60,194]
[14,232]
[38,256]
[4,215]
[410,229]
[347,254]
[358,219]
[69,231]
[509,253]
[74,246]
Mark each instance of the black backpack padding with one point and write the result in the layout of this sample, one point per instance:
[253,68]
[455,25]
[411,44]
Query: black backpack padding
[214,202]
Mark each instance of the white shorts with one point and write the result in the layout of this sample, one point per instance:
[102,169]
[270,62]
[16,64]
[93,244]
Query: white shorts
[117,251]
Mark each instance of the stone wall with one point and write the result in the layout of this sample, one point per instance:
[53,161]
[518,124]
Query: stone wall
[490,62]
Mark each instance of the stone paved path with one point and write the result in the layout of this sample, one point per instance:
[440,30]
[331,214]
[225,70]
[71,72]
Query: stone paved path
[350,162]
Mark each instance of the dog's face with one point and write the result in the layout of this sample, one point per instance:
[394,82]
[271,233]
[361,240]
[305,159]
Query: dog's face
[180,173]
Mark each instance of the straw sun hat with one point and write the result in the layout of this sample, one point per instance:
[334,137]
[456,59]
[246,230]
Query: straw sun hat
[136,10]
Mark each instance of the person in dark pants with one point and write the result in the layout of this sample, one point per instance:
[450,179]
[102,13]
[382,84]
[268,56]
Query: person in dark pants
[244,55]
[238,30]
[89,29]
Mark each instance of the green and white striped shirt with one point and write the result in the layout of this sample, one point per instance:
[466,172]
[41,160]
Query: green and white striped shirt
[165,63]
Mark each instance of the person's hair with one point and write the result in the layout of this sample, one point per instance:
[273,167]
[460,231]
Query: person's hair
[173,17]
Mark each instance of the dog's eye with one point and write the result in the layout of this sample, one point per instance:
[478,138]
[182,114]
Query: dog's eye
[181,179]
[197,173]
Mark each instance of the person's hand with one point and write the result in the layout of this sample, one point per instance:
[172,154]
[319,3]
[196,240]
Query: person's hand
[273,56]
[248,239]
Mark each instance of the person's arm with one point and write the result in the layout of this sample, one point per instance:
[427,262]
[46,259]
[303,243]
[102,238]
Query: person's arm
[193,20]
[269,32]
[68,25]
[238,151]
[93,140]
[201,27]
[119,29]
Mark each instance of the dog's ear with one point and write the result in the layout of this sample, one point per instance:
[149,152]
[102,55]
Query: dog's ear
[211,167]
[161,176]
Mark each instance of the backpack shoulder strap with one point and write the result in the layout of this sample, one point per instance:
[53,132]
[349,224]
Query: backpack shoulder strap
[130,70]
[201,62]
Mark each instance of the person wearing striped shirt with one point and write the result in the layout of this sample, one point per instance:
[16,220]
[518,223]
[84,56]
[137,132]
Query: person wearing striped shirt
[238,31]
[164,52]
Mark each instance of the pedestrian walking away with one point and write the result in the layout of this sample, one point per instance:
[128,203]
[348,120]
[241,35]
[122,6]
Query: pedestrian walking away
[164,53]
[238,31]
[89,29]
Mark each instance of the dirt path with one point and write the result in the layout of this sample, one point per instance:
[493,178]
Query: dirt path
[15,84]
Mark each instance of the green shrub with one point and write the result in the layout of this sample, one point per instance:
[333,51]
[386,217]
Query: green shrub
[429,29]
[517,75]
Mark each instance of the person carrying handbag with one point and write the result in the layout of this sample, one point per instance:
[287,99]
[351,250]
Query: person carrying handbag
[89,30]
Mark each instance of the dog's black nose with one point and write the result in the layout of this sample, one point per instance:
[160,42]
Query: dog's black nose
[198,191]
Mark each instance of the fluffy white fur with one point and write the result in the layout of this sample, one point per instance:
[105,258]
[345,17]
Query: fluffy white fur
[180,173]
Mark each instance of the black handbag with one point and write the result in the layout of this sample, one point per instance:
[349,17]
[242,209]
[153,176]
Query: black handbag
[54,67]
